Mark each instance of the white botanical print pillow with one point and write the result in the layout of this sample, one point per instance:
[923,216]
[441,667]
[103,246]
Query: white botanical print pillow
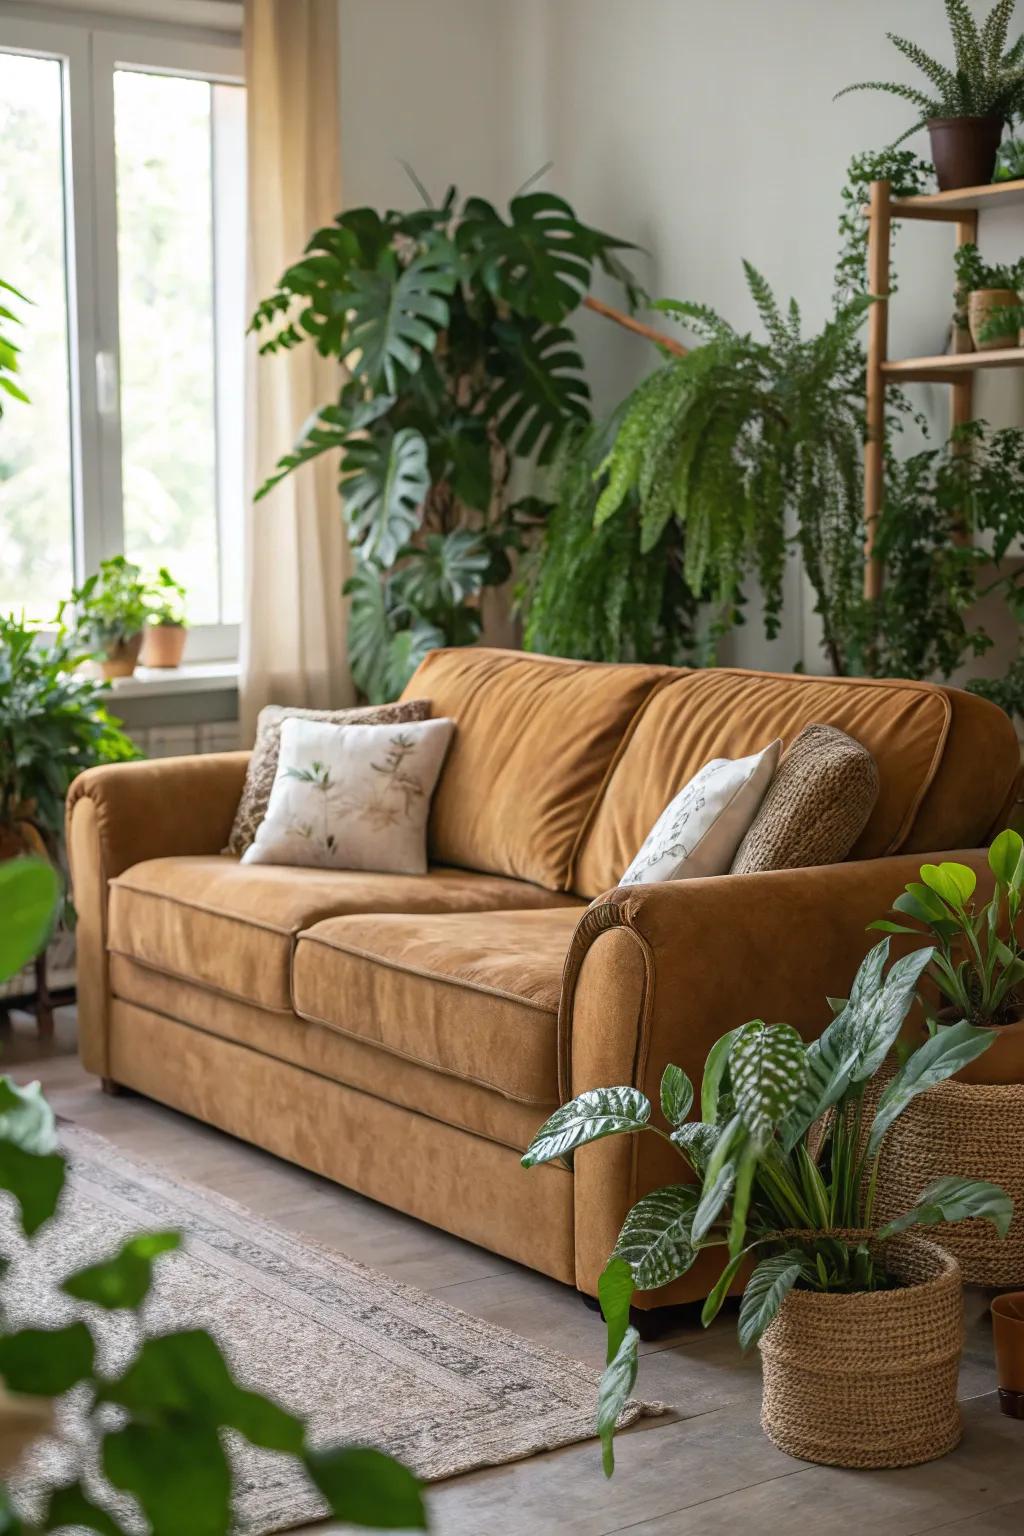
[352,796]
[699,831]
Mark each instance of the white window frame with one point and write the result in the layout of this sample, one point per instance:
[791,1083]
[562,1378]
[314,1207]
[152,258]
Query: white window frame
[90,48]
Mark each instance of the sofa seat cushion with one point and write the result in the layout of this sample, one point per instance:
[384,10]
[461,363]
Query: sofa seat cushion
[232,926]
[474,994]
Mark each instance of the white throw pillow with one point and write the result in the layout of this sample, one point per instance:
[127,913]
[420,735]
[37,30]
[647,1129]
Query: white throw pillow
[352,796]
[699,831]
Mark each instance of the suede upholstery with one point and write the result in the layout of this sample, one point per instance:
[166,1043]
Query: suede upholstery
[406,1035]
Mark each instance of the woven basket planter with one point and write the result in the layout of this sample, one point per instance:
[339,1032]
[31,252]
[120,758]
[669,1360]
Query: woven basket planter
[975,1130]
[870,1379]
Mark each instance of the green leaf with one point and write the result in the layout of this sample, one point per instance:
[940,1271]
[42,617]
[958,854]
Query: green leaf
[29,892]
[367,1488]
[956,1199]
[955,883]
[767,1072]
[385,481]
[45,1362]
[406,651]
[1006,855]
[538,263]
[398,312]
[719,1178]
[178,1473]
[615,1293]
[696,1140]
[25,1118]
[766,1290]
[35,1182]
[592,1115]
[617,1382]
[714,1071]
[444,571]
[676,1095]
[70,1505]
[720,1289]
[655,1240]
[936,1060]
[125,1279]
[540,391]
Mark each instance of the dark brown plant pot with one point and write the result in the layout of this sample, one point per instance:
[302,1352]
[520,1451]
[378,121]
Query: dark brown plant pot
[121,657]
[964,150]
[1008,1333]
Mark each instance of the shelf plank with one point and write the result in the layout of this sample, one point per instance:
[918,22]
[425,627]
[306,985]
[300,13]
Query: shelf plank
[948,368]
[950,205]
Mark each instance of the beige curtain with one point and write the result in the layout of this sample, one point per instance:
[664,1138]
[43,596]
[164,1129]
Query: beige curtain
[293,633]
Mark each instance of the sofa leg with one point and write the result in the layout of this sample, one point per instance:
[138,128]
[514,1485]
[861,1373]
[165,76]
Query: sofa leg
[652,1323]
[108,1085]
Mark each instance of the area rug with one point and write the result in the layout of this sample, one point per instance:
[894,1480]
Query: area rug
[362,1356]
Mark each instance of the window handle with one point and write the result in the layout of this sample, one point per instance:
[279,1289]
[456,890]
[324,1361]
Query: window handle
[106,383]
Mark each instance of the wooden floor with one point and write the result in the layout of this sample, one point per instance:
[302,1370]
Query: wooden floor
[708,1472]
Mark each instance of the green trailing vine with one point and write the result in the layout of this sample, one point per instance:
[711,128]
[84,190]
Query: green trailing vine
[908,176]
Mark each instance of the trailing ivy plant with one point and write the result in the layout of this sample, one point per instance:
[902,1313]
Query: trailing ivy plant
[149,1445]
[739,441]
[987,76]
[908,176]
[595,592]
[451,322]
[769,1179]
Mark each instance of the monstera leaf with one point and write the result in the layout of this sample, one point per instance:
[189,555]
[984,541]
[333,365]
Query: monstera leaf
[384,648]
[397,312]
[385,480]
[331,427]
[538,263]
[540,390]
[445,570]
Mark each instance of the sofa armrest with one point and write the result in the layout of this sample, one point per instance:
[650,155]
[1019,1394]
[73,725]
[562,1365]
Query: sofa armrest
[118,815]
[658,973]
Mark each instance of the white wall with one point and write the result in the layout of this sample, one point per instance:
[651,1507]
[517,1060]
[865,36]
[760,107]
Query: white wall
[702,129]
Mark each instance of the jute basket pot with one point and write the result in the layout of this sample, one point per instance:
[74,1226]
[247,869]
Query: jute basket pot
[975,1130]
[869,1379]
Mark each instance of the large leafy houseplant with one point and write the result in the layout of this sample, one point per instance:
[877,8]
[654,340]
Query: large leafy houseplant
[111,605]
[451,322]
[53,724]
[780,1166]
[149,1441]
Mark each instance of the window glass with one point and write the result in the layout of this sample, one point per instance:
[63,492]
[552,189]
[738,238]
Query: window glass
[36,513]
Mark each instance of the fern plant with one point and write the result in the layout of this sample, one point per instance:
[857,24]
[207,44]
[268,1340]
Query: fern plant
[986,80]
[451,323]
[740,441]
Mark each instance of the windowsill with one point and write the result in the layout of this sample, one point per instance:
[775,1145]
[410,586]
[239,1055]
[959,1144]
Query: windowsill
[192,677]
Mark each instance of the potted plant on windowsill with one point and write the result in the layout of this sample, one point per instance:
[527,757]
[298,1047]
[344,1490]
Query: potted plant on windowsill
[970,103]
[990,298]
[163,642]
[110,611]
[858,1323]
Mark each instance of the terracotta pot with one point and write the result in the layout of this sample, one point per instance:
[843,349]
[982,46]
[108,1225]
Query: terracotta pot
[1008,1333]
[121,657]
[163,645]
[984,305]
[964,150]
[960,340]
[1002,1063]
[869,1379]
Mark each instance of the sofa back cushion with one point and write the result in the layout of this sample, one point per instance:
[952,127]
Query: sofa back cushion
[534,738]
[722,712]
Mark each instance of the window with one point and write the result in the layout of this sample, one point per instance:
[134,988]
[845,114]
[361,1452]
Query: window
[122,179]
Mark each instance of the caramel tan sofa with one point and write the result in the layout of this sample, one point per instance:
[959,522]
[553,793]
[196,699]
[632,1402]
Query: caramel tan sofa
[406,1036]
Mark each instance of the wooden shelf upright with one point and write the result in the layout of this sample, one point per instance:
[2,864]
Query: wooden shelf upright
[960,208]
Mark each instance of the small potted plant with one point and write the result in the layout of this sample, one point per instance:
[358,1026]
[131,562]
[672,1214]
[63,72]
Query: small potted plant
[968,104]
[163,642]
[990,297]
[110,611]
[859,1323]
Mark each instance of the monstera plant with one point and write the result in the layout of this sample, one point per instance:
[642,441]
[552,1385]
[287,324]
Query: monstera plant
[451,324]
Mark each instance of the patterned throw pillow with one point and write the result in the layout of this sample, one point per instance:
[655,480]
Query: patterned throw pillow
[816,807]
[699,831]
[259,776]
[352,796]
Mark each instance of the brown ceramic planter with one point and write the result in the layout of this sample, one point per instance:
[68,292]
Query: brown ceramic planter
[1002,1063]
[163,645]
[964,150]
[984,305]
[121,658]
[1008,1333]
[869,1379]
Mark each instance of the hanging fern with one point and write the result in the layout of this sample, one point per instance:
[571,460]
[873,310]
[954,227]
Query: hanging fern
[746,446]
